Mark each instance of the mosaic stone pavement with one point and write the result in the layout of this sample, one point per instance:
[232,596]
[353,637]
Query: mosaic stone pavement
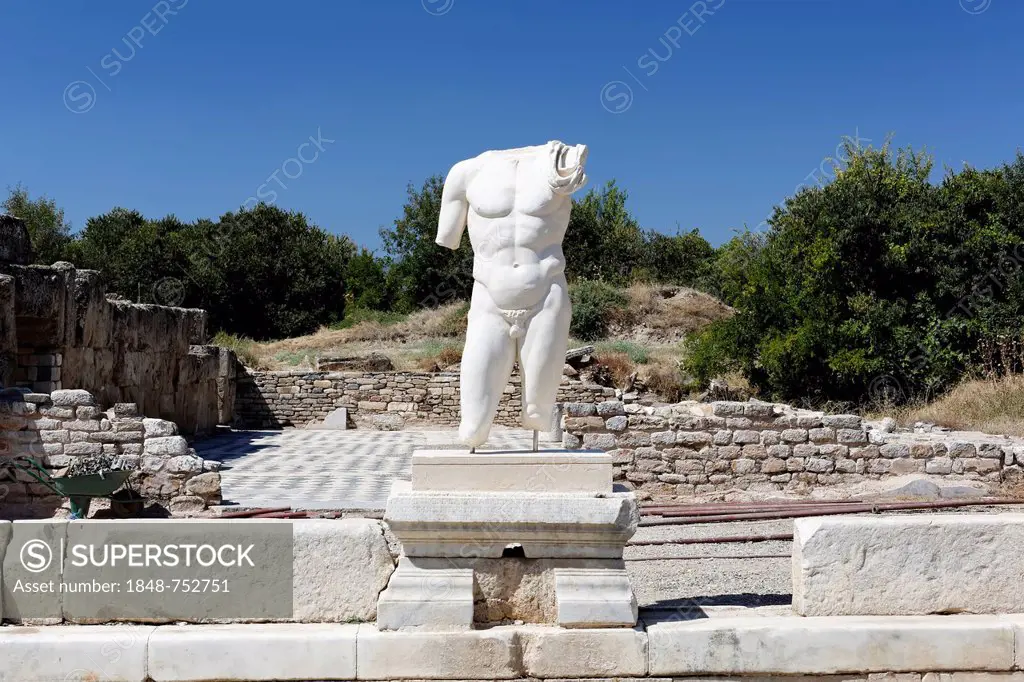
[322,469]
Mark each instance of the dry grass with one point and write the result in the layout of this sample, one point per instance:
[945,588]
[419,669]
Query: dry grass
[620,366]
[245,348]
[444,322]
[433,358]
[989,405]
[667,380]
[666,313]
[644,336]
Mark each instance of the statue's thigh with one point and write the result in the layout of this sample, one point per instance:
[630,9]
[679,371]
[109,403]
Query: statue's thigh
[543,352]
[486,359]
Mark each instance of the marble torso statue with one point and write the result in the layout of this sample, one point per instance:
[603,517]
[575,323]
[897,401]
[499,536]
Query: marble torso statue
[516,203]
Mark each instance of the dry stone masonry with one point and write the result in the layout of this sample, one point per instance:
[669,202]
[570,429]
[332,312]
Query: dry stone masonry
[56,429]
[691,448]
[59,328]
[373,399]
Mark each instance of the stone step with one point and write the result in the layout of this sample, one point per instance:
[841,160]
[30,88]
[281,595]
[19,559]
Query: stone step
[980,646]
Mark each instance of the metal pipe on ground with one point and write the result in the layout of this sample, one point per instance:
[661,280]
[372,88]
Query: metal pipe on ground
[691,558]
[712,540]
[711,508]
[755,503]
[827,510]
[283,515]
[716,511]
[249,513]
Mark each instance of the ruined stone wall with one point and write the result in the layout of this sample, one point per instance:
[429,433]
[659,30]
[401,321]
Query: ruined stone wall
[8,339]
[66,332]
[687,448]
[296,398]
[55,429]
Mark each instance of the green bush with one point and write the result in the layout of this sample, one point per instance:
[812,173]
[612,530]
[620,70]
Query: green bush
[637,353]
[594,305]
[245,349]
[878,278]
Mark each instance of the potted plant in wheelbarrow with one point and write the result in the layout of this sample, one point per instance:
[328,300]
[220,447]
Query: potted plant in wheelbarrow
[90,476]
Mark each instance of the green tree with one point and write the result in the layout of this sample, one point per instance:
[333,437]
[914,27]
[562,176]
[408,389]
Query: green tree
[729,274]
[132,253]
[838,294]
[603,240]
[683,258]
[262,273]
[420,273]
[270,274]
[47,228]
[878,279]
[366,281]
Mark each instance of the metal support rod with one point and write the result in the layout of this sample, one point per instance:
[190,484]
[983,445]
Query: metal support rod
[536,441]
[472,450]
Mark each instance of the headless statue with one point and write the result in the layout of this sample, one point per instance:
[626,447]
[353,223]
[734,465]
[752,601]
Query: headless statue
[516,203]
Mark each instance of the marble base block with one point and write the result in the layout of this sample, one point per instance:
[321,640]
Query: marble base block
[546,525]
[452,594]
[497,537]
[427,594]
[593,598]
[569,471]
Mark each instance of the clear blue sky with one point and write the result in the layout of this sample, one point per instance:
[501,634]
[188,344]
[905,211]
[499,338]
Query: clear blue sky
[754,97]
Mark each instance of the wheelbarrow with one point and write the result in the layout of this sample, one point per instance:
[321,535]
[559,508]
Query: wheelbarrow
[80,490]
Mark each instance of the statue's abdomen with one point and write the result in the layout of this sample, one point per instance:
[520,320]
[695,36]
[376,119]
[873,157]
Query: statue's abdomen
[516,225]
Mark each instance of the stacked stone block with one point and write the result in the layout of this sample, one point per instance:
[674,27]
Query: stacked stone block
[54,429]
[40,372]
[297,398]
[59,327]
[691,448]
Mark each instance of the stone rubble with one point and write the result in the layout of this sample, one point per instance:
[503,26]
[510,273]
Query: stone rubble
[65,430]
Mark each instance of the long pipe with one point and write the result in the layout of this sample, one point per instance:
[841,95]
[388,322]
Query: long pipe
[739,507]
[248,513]
[826,510]
[747,510]
[711,541]
[283,515]
[687,558]
[755,503]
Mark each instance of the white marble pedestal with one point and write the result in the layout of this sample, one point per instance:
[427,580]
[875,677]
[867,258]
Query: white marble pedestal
[487,537]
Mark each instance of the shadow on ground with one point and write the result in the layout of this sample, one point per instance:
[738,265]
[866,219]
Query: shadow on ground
[694,608]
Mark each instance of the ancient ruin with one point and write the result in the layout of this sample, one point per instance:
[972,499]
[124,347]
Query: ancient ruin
[84,373]
[60,329]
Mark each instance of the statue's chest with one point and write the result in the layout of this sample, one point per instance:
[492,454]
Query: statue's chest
[504,186]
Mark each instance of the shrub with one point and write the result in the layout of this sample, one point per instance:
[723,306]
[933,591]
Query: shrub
[636,353]
[244,348]
[594,304]
[449,355]
[878,274]
[668,380]
[437,355]
[712,352]
[618,366]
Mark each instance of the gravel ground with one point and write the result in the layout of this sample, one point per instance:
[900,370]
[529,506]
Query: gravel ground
[704,579]
[721,574]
